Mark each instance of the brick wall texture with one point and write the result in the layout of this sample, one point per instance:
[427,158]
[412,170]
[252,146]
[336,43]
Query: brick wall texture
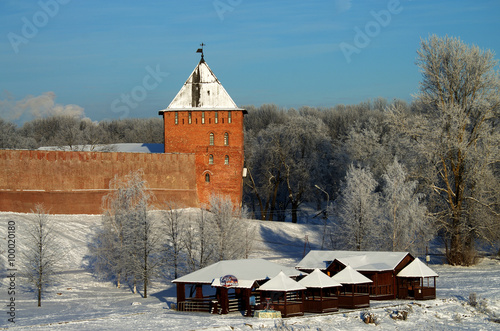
[75,182]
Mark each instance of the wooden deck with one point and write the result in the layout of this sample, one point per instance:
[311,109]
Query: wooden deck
[417,293]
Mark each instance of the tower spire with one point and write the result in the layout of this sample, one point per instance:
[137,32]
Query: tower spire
[200,50]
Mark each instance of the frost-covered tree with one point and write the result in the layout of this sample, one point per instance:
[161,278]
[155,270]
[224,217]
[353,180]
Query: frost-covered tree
[228,230]
[358,211]
[291,157]
[198,241]
[405,220]
[215,234]
[42,252]
[173,225]
[456,131]
[130,234]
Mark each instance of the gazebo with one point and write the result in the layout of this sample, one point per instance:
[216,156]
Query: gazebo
[285,295]
[322,292]
[351,295]
[414,282]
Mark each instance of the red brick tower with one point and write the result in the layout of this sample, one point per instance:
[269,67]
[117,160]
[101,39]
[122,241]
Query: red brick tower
[204,120]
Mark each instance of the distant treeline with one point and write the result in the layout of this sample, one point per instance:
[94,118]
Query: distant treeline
[75,132]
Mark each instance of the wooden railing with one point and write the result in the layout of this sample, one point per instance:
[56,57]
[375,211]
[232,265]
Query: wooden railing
[418,293]
[381,289]
[292,308]
[196,304]
[321,305]
[359,300]
[424,293]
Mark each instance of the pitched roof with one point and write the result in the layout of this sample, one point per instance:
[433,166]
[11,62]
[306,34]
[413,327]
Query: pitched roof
[318,279]
[246,271]
[202,91]
[281,283]
[350,276]
[417,269]
[359,260]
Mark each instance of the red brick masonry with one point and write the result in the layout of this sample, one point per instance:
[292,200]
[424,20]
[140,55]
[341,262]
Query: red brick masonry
[75,182]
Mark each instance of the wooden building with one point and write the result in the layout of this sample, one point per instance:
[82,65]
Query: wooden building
[417,281]
[207,289]
[284,294]
[322,293]
[353,293]
[380,267]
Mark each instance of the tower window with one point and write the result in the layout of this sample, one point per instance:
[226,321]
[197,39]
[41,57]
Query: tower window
[189,118]
[176,118]
[203,117]
[216,117]
[229,117]
[226,160]
[210,159]
[207,178]
[211,139]
[226,139]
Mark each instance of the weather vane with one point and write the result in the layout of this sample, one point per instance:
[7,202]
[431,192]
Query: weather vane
[200,50]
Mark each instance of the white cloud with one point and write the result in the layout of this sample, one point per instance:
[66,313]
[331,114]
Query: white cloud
[342,5]
[36,107]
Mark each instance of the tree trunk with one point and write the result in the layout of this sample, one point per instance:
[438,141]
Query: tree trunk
[295,207]
[39,296]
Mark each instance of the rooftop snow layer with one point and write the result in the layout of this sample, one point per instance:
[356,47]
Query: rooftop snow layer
[359,260]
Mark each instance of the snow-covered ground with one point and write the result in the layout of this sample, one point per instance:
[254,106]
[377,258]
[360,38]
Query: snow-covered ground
[81,302]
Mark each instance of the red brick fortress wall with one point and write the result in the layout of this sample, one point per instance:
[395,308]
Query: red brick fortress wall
[75,182]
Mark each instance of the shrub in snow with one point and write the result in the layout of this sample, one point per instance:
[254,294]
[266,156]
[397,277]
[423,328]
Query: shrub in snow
[399,315]
[369,317]
[473,299]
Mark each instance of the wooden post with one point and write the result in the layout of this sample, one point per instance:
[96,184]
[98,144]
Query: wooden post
[199,291]
[224,300]
[181,292]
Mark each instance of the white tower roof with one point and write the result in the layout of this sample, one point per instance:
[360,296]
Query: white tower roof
[202,91]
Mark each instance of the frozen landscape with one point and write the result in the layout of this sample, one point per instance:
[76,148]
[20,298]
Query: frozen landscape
[81,302]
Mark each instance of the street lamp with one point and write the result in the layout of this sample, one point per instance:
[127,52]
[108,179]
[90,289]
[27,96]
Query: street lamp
[325,214]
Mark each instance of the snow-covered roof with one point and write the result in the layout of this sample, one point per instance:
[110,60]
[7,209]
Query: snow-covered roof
[318,279]
[120,147]
[249,270]
[202,91]
[359,260]
[350,276]
[417,269]
[281,283]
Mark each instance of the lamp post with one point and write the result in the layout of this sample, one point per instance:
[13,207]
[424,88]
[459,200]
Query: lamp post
[325,214]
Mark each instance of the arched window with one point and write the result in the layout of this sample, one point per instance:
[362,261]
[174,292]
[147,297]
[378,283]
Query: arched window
[226,160]
[210,159]
[207,178]
[226,139]
[211,139]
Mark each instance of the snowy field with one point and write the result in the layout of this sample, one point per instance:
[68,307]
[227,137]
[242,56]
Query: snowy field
[80,302]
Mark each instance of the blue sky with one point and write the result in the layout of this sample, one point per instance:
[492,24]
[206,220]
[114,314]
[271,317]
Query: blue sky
[115,59]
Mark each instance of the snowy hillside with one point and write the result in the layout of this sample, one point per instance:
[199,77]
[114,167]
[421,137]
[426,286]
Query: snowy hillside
[79,301]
